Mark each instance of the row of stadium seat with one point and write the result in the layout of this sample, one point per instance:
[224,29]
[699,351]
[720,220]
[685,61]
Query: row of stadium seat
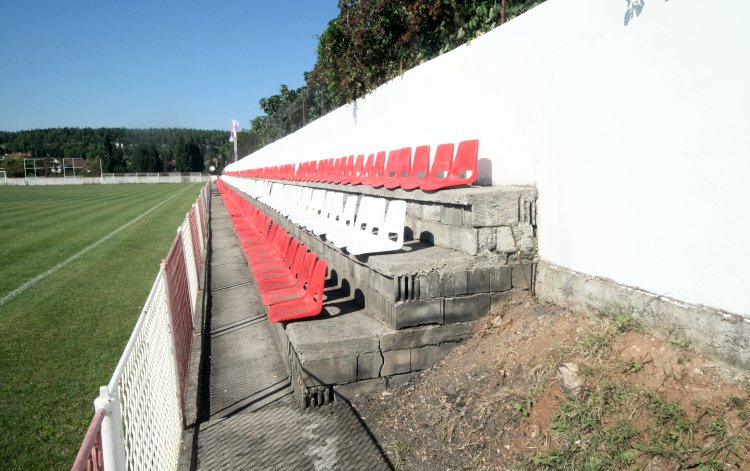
[373,226]
[398,171]
[291,279]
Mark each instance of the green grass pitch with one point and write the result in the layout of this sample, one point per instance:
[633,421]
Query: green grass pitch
[61,338]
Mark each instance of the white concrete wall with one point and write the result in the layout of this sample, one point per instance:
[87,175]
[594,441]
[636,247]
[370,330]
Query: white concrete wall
[637,135]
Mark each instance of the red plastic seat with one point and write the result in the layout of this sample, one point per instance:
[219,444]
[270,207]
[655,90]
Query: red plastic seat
[327,170]
[399,168]
[291,279]
[376,171]
[292,264]
[259,235]
[354,170]
[461,171]
[335,170]
[274,252]
[277,290]
[310,305]
[357,180]
[420,168]
[346,164]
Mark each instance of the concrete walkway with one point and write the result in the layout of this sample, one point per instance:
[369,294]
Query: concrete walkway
[253,421]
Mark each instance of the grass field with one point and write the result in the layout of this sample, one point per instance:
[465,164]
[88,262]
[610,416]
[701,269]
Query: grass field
[63,334]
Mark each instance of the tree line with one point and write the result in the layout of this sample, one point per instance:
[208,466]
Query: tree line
[367,44]
[117,150]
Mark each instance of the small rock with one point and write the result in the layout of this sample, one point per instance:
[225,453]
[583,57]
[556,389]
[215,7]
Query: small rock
[497,321]
[567,377]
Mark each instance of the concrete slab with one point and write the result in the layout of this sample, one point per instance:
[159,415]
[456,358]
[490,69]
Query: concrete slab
[239,303]
[282,437]
[337,336]
[231,275]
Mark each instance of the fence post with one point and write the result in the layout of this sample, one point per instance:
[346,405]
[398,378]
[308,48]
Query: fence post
[113,449]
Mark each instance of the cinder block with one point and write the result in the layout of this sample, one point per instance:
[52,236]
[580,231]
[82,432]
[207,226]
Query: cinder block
[370,386]
[431,212]
[486,239]
[500,209]
[413,313]
[479,280]
[414,209]
[429,285]
[526,239]
[384,285]
[336,370]
[502,298]
[468,217]
[466,308]
[523,276]
[427,356]
[460,282]
[396,362]
[425,335]
[452,215]
[463,238]
[454,283]
[504,241]
[368,365]
[376,303]
[501,279]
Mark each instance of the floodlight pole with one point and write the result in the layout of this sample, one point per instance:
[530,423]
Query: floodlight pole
[235,148]
[101,172]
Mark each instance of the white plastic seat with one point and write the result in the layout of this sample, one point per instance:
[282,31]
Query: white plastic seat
[258,188]
[372,220]
[360,216]
[276,193]
[389,238]
[295,200]
[336,222]
[333,205]
[311,207]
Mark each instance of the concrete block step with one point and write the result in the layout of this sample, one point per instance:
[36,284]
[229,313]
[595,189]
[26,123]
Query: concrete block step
[355,352]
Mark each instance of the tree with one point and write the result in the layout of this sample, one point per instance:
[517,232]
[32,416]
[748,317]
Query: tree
[167,158]
[118,161]
[107,151]
[182,156]
[196,157]
[139,159]
[153,162]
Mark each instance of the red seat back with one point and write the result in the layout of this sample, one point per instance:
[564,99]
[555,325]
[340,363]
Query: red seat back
[441,166]
[365,170]
[420,168]
[355,169]
[464,169]
[399,166]
[377,170]
[316,283]
[346,164]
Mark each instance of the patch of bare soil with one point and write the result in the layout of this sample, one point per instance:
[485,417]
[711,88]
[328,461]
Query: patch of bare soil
[634,401]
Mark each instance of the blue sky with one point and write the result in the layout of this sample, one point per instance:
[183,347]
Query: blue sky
[158,63]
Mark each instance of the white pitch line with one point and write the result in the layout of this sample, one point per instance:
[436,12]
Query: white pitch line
[76,256]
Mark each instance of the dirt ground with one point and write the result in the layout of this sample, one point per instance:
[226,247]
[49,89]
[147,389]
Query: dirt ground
[634,401]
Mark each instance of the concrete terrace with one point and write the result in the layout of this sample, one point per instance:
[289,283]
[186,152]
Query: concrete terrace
[247,416]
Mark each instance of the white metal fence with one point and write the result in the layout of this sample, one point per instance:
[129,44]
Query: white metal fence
[143,404]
